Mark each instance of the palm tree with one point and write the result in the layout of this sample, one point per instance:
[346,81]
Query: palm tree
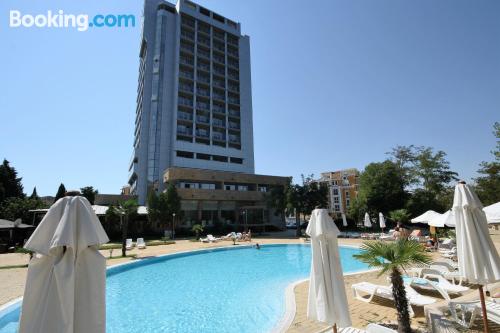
[392,258]
[197,229]
[399,215]
[126,209]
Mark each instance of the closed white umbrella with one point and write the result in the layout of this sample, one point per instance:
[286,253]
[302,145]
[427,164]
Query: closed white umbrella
[367,221]
[478,259]
[65,286]
[381,220]
[327,298]
[344,220]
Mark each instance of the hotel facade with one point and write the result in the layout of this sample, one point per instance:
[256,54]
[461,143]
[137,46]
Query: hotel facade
[194,121]
[342,189]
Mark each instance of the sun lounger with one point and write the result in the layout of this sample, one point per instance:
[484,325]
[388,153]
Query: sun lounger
[472,310]
[351,234]
[376,328]
[384,237]
[446,244]
[209,239]
[435,283]
[414,298]
[140,243]
[371,328]
[447,263]
[444,284]
[129,245]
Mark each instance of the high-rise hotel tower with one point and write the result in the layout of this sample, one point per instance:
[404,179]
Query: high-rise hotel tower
[194,97]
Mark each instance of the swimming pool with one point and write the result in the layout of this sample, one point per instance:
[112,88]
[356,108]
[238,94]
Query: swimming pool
[236,289]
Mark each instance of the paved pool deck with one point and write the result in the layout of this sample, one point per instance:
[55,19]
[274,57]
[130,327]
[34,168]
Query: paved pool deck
[380,310]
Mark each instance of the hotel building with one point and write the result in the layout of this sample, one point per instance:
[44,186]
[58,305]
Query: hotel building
[342,188]
[194,124]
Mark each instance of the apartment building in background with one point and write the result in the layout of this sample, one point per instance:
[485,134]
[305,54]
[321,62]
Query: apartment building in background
[194,98]
[342,189]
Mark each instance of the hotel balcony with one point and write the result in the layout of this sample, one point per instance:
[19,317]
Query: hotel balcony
[186,74]
[202,119]
[186,34]
[218,123]
[234,126]
[184,118]
[202,52]
[234,113]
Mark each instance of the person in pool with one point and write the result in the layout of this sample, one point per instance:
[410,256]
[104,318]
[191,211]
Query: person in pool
[257,246]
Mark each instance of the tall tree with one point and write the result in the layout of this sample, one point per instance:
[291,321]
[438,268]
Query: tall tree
[61,192]
[153,207]
[34,194]
[10,183]
[433,170]
[277,199]
[90,193]
[404,157]
[295,198]
[381,189]
[18,208]
[488,183]
[174,205]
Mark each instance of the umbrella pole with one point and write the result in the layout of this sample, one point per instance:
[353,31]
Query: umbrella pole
[483,308]
[334,328]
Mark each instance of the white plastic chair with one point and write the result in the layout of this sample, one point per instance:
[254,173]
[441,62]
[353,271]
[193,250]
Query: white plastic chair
[140,243]
[129,245]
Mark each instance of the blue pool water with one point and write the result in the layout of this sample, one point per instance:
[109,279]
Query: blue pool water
[223,290]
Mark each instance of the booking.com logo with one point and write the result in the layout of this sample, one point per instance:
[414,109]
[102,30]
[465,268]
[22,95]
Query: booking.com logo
[82,22]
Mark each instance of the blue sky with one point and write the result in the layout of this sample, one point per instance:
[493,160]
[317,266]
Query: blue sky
[336,84]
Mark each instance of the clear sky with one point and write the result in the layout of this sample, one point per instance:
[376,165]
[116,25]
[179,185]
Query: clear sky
[336,84]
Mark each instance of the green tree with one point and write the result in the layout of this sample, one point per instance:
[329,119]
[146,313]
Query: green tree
[399,215]
[197,229]
[405,157]
[153,207]
[488,183]
[15,208]
[295,198]
[90,193]
[61,192]
[277,199]
[393,258]
[126,210]
[173,202]
[381,189]
[10,183]
[433,170]
[34,194]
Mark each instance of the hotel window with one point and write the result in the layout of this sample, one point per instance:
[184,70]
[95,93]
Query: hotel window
[185,154]
[236,160]
[242,188]
[189,185]
[262,188]
[347,203]
[230,187]
[347,194]
[207,186]
[336,200]
[335,191]
[337,208]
